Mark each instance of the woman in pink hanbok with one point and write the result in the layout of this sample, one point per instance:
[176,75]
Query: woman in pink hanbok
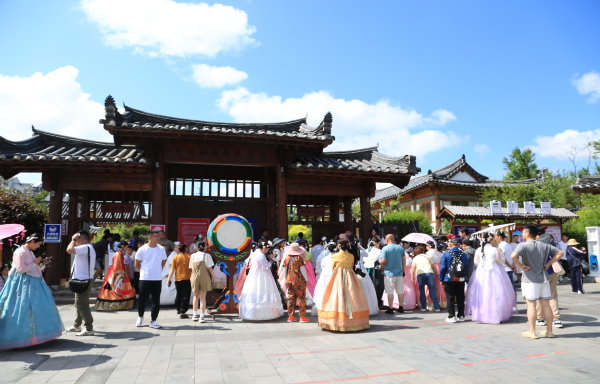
[311,279]
[490,295]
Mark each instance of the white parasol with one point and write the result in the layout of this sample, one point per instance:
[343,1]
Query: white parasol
[493,229]
[419,238]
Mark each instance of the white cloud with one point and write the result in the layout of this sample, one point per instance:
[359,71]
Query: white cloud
[53,102]
[168,28]
[555,146]
[482,149]
[217,77]
[588,84]
[356,124]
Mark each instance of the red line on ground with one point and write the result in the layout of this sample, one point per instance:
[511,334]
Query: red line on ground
[429,341]
[495,361]
[541,354]
[468,337]
[359,378]
[561,352]
[469,364]
[309,352]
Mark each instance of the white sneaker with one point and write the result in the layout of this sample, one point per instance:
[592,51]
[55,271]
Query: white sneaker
[202,319]
[423,310]
[139,321]
[73,329]
[85,333]
[195,317]
[461,319]
[154,324]
[450,320]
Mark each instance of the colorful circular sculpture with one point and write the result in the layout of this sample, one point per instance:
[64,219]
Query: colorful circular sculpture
[230,233]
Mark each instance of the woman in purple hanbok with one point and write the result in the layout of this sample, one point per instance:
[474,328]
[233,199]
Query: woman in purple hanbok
[490,295]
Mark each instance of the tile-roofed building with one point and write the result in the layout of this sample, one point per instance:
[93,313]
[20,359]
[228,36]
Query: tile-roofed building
[454,184]
[587,184]
[159,169]
[484,213]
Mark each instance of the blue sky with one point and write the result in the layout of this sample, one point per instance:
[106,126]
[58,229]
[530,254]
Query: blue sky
[433,79]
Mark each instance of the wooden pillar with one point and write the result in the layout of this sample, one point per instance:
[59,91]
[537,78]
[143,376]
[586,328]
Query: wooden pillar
[437,208]
[282,195]
[348,213]
[73,226]
[158,194]
[271,202]
[334,209]
[365,217]
[53,272]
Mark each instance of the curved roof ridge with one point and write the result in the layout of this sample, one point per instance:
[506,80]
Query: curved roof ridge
[353,152]
[192,121]
[67,139]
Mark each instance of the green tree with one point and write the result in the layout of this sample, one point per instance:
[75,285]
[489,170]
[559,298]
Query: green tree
[126,231]
[293,231]
[405,215]
[520,165]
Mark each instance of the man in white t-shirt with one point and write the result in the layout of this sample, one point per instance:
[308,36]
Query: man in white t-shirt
[82,269]
[506,250]
[150,260]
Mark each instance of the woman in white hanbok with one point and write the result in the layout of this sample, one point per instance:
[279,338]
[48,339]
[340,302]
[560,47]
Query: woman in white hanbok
[367,283]
[260,299]
[324,277]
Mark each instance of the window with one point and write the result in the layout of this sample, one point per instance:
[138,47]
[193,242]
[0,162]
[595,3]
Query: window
[249,189]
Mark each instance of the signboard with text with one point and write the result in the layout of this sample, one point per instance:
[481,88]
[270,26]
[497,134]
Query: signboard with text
[188,229]
[52,233]
[230,154]
[158,227]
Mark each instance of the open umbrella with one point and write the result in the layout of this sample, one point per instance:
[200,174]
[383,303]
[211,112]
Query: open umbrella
[420,238]
[9,230]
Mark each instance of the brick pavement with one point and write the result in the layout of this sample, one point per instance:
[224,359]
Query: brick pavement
[413,347]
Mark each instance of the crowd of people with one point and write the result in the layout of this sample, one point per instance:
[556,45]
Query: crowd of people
[343,282]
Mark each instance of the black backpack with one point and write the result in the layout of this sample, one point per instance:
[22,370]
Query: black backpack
[457,271]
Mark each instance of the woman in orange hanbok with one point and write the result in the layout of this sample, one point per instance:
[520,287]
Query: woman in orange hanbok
[344,307]
[116,293]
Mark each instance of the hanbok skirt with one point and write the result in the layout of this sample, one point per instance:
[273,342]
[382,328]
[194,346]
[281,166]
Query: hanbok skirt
[241,280]
[410,293]
[28,314]
[311,279]
[490,296]
[370,294]
[116,293]
[324,278]
[261,299]
[345,307]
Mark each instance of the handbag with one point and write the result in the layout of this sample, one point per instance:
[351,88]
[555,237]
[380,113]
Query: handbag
[558,269]
[79,286]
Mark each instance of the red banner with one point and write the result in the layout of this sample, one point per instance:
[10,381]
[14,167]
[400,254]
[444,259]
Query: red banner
[190,228]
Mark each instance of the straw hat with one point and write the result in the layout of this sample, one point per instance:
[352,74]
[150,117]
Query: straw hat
[572,242]
[295,249]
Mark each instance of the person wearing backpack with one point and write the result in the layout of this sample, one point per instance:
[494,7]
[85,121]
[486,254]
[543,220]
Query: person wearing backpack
[454,273]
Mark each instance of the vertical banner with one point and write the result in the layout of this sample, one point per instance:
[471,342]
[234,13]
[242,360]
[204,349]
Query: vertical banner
[52,233]
[65,227]
[190,228]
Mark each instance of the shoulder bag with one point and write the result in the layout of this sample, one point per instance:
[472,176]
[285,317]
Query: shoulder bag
[79,286]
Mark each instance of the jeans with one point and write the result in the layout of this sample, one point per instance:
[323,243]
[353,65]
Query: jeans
[427,279]
[147,288]
[455,292]
[576,279]
[510,276]
[184,291]
[82,307]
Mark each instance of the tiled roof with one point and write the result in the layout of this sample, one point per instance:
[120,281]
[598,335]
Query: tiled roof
[44,146]
[367,160]
[443,176]
[136,119]
[586,182]
[460,211]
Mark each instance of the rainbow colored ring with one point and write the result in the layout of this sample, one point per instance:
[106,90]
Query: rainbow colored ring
[213,229]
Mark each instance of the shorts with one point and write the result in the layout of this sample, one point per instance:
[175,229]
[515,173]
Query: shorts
[536,291]
[392,283]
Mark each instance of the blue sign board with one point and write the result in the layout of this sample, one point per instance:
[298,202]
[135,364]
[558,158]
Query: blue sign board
[470,229]
[52,233]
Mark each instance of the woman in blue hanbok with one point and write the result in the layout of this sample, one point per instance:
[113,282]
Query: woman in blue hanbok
[28,314]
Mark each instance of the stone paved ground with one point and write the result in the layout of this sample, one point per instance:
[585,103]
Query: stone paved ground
[414,347]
